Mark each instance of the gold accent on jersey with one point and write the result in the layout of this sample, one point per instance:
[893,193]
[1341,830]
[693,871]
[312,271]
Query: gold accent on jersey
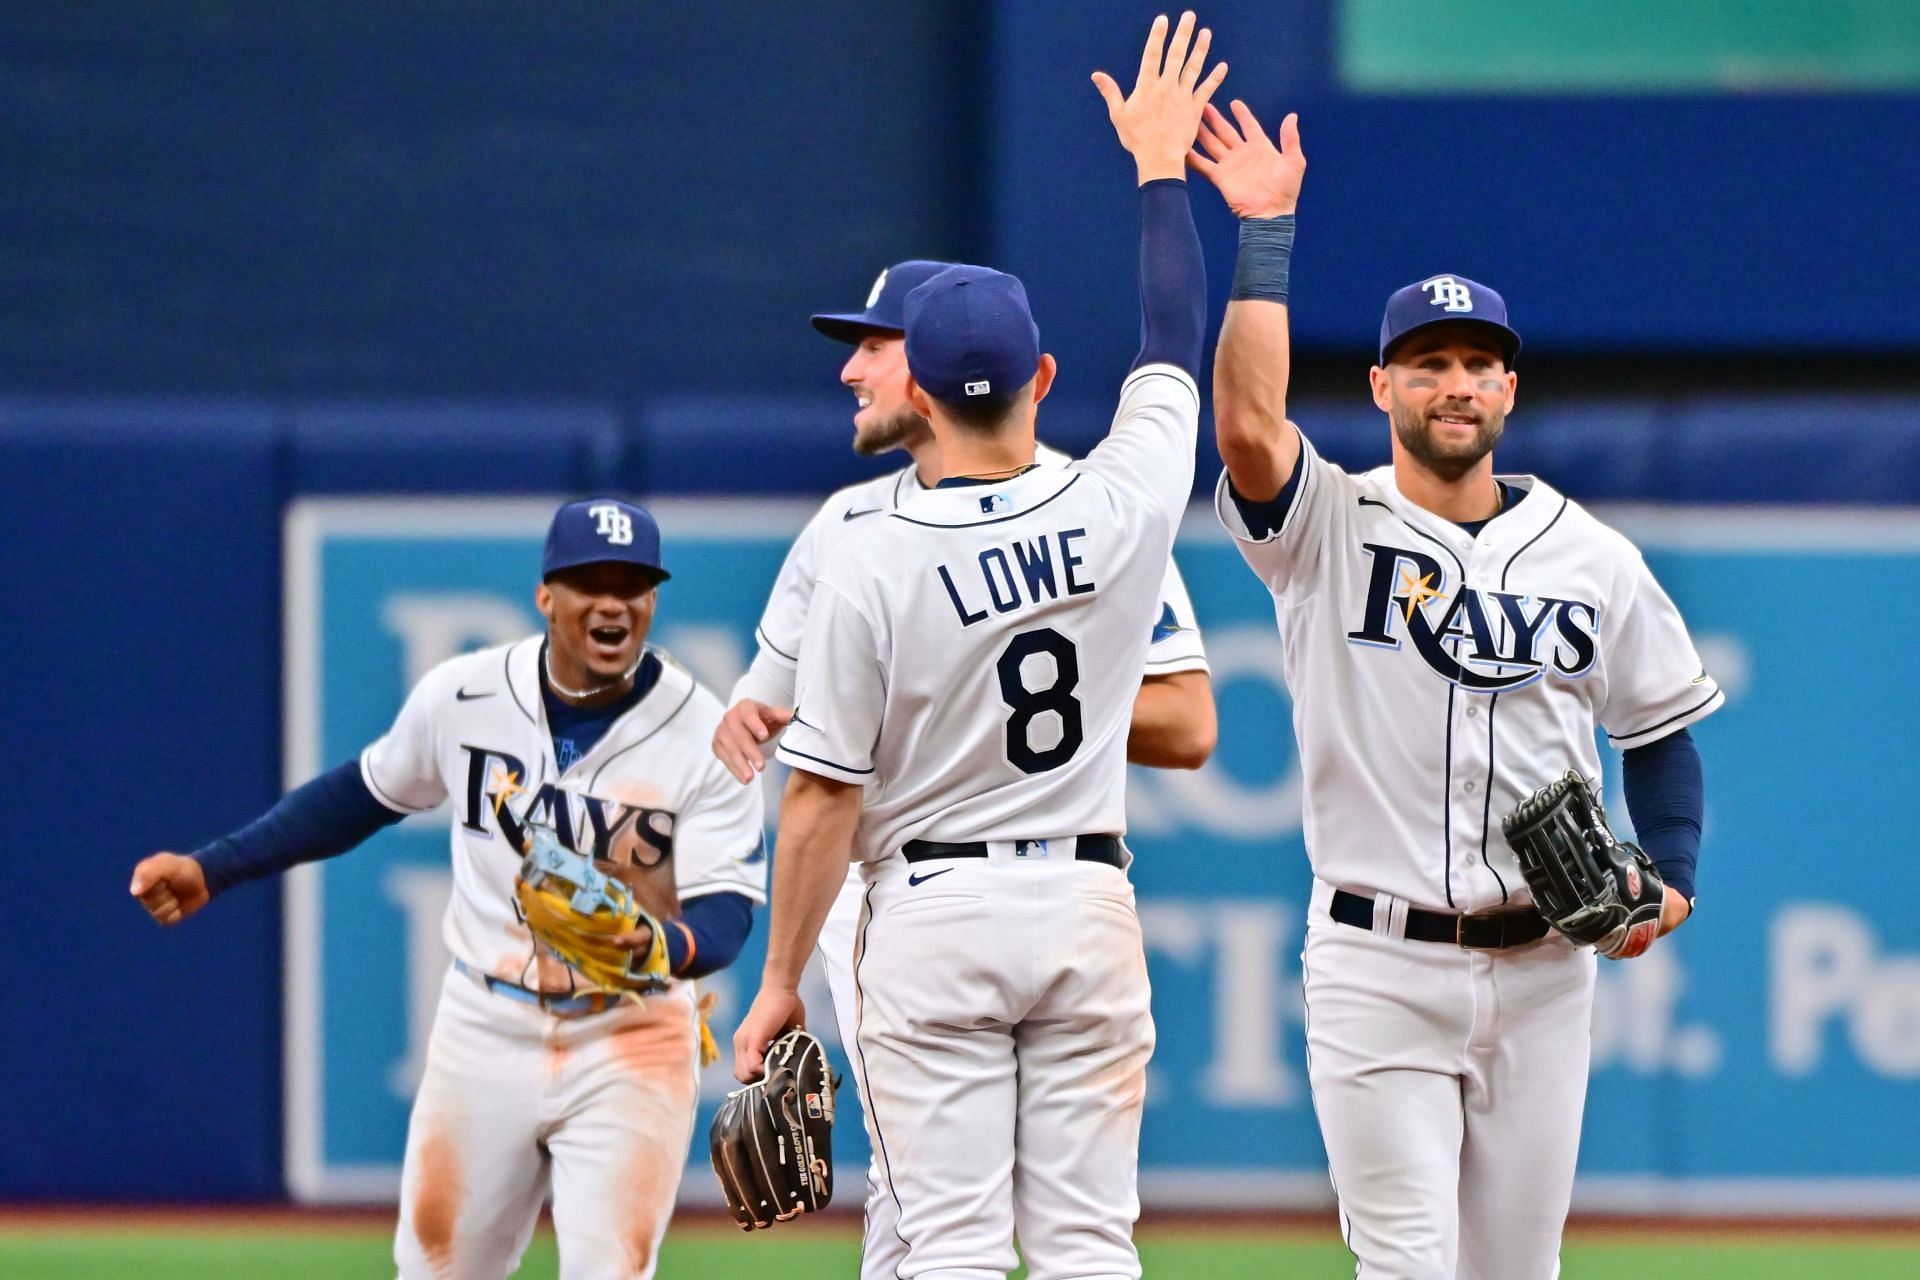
[505,786]
[1418,593]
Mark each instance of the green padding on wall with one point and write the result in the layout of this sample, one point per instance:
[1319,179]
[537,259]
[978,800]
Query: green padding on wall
[1628,46]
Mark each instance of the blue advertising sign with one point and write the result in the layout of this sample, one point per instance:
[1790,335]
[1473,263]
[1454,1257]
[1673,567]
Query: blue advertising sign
[1768,1053]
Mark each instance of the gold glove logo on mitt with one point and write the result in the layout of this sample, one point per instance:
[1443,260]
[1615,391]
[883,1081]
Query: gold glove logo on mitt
[1598,891]
[772,1141]
[576,911]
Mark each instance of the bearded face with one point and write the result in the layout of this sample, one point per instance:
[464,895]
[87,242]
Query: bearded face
[876,373]
[875,434]
[1449,437]
[1447,392]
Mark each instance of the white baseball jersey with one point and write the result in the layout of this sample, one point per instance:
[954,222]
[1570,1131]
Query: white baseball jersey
[1440,677]
[1175,645]
[474,731]
[973,663]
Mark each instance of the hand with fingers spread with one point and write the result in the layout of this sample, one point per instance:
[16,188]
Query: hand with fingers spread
[1158,121]
[1256,178]
[742,731]
[171,886]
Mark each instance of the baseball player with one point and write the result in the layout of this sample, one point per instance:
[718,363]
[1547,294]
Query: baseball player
[966,682]
[533,1078]
[1453,638]
[1173,723]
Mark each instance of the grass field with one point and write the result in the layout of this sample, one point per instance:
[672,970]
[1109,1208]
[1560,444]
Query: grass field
[107,1250]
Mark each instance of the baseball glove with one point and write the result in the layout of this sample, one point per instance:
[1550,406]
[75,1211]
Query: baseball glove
[772,1141]
[575,911]
[1598,891]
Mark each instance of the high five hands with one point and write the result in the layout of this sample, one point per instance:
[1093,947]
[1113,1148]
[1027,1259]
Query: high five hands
[1158,121]
[1257,179]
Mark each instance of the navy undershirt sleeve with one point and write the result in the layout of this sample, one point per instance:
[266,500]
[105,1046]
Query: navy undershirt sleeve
[1667,798]
[719,923]
[1173,279]
[1263,519]
[320,819]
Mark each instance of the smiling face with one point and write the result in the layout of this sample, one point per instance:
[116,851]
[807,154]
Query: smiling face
[876,373]
[1447,391]
[598,616]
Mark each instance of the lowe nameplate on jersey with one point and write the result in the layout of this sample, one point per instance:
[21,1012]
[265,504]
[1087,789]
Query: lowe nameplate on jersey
[1805,1010]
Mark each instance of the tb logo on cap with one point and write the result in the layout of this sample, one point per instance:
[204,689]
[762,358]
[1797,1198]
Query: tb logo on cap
[613,524]
[879,285]
[1449,293]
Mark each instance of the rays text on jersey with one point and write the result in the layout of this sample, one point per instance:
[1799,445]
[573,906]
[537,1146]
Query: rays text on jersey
[606,829]
[1485,641]
[1017,574]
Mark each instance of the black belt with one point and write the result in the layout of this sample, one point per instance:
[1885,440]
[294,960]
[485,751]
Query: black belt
[1488,931]
[1086,849]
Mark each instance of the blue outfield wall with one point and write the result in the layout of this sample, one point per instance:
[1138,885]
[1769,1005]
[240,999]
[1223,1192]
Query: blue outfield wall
[1787,1009]
[145,589]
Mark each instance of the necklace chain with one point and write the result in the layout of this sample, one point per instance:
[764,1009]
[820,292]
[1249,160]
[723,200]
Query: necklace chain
[578,695]
[1009,473]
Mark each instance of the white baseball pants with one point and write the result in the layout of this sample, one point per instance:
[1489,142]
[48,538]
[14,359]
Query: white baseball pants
[1002,1043]
[513,1097]
[1449,1085]
[881,1251]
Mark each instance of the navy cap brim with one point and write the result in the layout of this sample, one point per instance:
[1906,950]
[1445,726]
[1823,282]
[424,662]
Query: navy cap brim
[1509,340]
[659,575]
[852,328]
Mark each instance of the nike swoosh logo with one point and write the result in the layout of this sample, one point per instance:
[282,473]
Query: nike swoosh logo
[855,515]
[924,876]
[461,695]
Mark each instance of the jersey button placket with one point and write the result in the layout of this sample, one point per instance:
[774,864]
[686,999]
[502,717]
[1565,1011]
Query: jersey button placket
[1469,768]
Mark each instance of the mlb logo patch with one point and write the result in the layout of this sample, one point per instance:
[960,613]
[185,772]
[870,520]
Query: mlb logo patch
[995,502]
[813,1105]
[980,388]
[1030,848]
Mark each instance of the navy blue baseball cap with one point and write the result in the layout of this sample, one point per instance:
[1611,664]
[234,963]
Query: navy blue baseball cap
[1446,299]
[602,531]
[886,302]
[970,333]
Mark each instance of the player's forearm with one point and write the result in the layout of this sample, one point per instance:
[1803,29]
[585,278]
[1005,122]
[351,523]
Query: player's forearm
[319,819]
[1173,279]
[1174,722]
[1252,365]
[1666,798]
[817,820]
[708,933]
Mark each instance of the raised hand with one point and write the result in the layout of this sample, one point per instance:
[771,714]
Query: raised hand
[1256,178]
[1157,122]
